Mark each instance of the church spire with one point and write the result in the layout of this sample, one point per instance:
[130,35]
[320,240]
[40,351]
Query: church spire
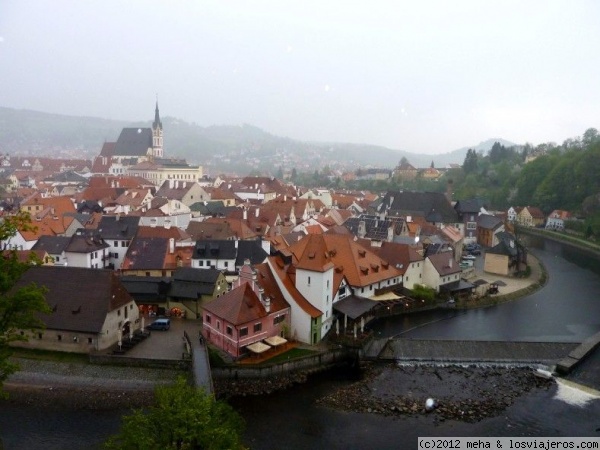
[157,134]
[157,123]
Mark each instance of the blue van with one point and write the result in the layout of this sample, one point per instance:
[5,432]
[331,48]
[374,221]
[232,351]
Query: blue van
[160,324]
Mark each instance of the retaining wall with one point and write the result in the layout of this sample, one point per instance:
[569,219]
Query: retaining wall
[311,363]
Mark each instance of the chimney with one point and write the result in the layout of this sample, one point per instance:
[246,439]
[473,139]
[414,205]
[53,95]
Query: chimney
[257,212]
[245,214]
[268,304]
[285,198]
[362,229]
[450,263]
[449,187]
[171,245]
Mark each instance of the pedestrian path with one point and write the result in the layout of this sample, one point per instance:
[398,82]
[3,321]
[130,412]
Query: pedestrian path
[201,365]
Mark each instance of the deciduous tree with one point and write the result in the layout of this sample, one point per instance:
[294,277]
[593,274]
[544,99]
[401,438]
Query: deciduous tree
[18,307]
[183,417]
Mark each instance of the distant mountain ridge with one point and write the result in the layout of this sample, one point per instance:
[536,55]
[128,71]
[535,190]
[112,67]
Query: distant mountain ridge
[29,132]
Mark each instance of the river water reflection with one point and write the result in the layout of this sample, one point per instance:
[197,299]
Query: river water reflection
[565,310]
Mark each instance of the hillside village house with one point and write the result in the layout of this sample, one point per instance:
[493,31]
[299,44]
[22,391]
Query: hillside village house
[556,220]
[250,318]
[90,309]
[531,216]
[507,257]
[320,270]
[440,271]
[468,211]
[488,227]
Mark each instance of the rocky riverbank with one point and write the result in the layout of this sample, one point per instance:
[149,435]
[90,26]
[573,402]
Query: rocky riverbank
[467,394]
[227,388]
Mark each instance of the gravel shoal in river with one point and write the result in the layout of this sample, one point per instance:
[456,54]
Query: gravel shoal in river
[84,386]
[468,394]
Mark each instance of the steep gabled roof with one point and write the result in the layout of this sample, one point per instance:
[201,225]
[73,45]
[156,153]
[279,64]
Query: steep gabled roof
[54,245]
[252,251]
[359,266]
[281,271]
[118,227]
[472,205]
[398,255]
[85,244]
[444,263]
[488,221]
[133,142]
[80,298]
[238,306]
[432,205]
[146,254]
[215,249]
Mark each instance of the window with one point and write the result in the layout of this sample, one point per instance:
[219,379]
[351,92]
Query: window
[218,325]
[40,335]
[229,330]
[116,244]
[118,312]
[278,319]
[59,337]
[244,331]
[309,281]
[327,283]
[207,318]
[257,327]
[201,263]
[57,258]
[89,340]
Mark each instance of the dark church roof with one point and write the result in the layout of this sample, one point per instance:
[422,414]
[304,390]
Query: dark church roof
[133,142]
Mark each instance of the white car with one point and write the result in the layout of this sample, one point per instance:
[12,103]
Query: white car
[471,257]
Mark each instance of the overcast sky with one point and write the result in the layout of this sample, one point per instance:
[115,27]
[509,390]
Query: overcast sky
[421,76]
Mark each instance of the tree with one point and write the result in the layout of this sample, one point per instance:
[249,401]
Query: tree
[18,307]
[470,164]
[183,417]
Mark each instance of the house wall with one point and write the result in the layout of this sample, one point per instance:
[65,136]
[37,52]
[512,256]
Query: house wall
[117,250]
[497,264]
[114,322]
[414,274]
[317,288]
[220,264]
[176,220]
[17,242]
[216,331]
[59,340]
[83,342]
[555,223]
[431,276]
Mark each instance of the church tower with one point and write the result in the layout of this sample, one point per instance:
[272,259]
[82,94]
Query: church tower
[157,135]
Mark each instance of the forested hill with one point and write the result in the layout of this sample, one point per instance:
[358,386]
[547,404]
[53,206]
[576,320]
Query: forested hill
[26,132]
[547,176]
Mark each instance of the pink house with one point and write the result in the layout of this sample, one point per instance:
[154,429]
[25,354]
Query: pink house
[251,314]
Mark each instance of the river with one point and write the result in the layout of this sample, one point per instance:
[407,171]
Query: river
[567,309]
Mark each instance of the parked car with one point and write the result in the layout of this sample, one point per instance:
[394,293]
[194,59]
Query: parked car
[160,324]
[469,257]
